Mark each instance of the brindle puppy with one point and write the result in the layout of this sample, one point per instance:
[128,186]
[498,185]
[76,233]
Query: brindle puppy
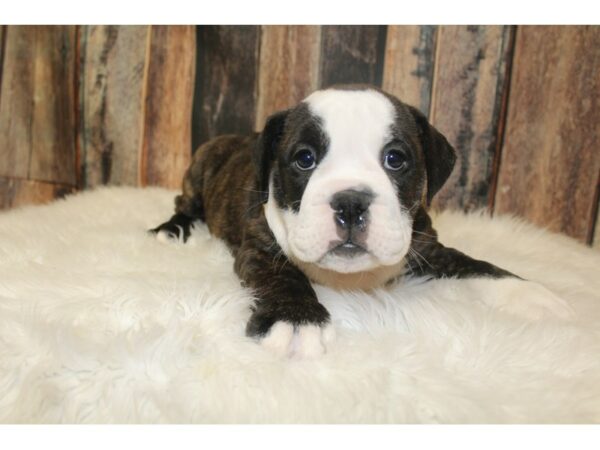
[333,191]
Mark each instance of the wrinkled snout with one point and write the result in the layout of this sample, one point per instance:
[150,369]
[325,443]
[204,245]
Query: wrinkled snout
[351,217]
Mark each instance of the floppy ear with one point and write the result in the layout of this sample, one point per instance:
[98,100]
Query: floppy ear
[264,153]
[440,156]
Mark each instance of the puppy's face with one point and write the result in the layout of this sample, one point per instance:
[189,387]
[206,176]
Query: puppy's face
[346,171]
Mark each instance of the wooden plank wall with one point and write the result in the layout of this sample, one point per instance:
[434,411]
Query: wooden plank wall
[129,103]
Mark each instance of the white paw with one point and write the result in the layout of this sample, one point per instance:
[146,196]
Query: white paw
[168,238]
[526,299]
[164,237]
[302,341]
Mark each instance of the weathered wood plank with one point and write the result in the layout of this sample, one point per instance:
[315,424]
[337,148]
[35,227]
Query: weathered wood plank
[16,192]
[168,120]
[226,74]
[550,161]
[112,93]
[53,120]
[288,69]
[16,105]
[409,64]
[2,41]
[469,85]
[352,54]
[596,237]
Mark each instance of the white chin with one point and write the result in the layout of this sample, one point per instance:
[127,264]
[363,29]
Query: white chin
[345,264]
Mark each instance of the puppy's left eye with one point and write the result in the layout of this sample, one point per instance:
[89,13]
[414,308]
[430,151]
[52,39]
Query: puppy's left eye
[394,159]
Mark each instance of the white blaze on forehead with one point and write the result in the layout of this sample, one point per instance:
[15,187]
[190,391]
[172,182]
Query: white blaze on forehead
[355,121]
[357,125]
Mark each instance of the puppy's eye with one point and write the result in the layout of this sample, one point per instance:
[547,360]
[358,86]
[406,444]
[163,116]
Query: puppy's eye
[394,159]
[305,159]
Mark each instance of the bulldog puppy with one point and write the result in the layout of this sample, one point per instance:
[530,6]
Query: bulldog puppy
[333,191]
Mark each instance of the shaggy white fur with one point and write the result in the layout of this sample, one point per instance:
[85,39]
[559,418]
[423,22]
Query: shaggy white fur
[100,322]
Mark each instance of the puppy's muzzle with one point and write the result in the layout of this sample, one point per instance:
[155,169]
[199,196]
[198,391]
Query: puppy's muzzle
[351,217]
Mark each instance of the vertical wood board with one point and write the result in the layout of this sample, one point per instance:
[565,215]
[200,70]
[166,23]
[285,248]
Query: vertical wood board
[168,115]
[469,84]
[288,67]
[550,160]
[409,64]
[112,103]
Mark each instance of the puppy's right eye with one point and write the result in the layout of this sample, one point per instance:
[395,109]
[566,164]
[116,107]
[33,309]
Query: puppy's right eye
[305,159]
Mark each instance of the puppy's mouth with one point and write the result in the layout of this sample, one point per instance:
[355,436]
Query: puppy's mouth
[348,249]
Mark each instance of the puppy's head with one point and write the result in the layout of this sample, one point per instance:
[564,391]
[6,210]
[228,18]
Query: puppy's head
[346,171]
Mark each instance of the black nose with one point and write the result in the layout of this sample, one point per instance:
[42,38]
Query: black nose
[350,208]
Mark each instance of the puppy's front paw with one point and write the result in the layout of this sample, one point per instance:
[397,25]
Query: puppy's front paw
[298,341]
[293,334]
[527,299]
[176,228]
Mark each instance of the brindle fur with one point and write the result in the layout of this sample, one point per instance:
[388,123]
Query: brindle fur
[225,187]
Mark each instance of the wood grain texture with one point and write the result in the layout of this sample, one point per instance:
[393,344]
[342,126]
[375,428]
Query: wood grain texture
[53,122]
[288,69]
[550,161]
[36,114]
[409,64]
[15,192]
[168,115]
[16,105]
[112,93]
[226,74]
[2,42]
[596,237]
[352,54]
[470,81]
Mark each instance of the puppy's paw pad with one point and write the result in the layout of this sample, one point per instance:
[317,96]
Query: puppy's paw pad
[300,341]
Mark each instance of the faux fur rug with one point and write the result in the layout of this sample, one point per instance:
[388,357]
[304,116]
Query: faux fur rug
[100,322]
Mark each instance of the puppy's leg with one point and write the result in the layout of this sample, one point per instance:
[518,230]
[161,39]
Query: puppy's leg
[286,317]
[188,209]
[493,285]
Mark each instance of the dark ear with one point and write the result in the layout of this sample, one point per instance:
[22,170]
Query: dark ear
[439,154]
[264,153]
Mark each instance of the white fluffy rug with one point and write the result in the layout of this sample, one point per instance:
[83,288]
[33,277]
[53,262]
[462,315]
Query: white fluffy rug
[100,322]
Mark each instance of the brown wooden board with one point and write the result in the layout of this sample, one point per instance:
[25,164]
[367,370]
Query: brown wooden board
[550,160]
[169,95]
[409,64]
[16,192]
[2,41]
[352,54]
[53,121]
[469,86]
[596,237]
[112,100]
[16,105]
[226,79]
[289,67]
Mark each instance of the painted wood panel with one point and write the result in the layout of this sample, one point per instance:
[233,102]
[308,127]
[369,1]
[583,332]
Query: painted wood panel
[167,129]
[288,67]
[16,192]
[470,83]
[409,64]
[550,161]
[352,54]
[227,70]
[112,100]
